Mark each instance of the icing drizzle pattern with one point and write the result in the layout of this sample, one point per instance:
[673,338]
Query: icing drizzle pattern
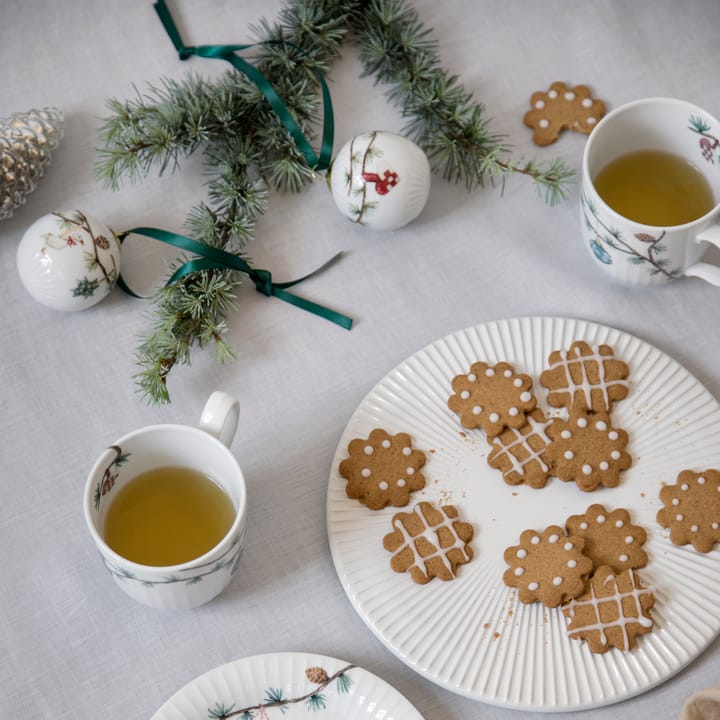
[617,597]
[537,429]
[430,533]
[584,385]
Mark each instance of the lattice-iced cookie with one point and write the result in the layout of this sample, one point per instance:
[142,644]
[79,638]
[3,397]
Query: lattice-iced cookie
[383,470]
[585,377]
[610,538]
[588,450]
[519,453]
[692,509]
[613,612]
[548,566]
[492,397]
[429,542]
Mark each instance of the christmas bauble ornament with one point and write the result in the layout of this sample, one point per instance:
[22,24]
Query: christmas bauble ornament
[68,261]
[26,143]
[380,180]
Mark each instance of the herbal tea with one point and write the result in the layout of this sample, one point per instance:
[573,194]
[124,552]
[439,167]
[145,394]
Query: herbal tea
[655,187]
[168,516]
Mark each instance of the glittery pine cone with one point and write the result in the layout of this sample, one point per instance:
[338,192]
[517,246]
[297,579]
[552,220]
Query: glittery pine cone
[27,141]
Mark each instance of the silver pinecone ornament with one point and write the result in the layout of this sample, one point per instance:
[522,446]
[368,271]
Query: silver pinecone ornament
[26,142]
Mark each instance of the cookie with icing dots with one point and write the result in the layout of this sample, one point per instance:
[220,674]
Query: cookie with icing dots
[585,377]
[610,538]
[691,509]
[492,397]
[613,612]
[519,453]
[588,450]
[562,107]
[383,469]
[431,541]
[549,566]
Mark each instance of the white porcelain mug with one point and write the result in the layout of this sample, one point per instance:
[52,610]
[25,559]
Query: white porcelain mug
[638,253]
[204,448]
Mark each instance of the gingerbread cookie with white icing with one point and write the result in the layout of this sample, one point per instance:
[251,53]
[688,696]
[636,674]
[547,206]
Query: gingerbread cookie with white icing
[613,612]
[549,566]
[492,397]
[585,377]
[519,453]
[692,509]
[610,537]
[431,541]
[562,107]
[383,469]
[588,450]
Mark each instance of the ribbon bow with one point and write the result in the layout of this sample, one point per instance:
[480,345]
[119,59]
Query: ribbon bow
[212,258]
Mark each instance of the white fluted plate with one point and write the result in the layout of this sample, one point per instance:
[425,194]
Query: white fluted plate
[279,685]
[471,635]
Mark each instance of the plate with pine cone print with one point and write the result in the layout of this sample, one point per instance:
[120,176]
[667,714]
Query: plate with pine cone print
[287,686]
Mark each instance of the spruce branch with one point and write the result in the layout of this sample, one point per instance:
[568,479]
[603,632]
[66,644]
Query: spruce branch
[442,116]
[248,152]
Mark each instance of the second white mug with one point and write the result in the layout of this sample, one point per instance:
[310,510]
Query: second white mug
[205,449]
[635,252]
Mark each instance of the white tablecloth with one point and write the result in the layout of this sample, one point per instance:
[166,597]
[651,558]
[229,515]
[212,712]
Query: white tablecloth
[71,644]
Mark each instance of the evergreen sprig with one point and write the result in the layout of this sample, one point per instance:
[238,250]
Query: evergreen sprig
[248,152]
[442,116]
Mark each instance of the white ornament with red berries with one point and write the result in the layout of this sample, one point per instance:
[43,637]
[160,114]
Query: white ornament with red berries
[380,180]
[67,260]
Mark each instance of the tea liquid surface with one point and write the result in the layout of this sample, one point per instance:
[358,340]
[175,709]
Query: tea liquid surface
[168,516]
[655,187]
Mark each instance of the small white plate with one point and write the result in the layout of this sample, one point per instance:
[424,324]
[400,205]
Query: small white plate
[287,685]
[472,635]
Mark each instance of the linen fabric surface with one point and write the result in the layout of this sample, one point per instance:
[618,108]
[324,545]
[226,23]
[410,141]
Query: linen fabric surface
[71,644]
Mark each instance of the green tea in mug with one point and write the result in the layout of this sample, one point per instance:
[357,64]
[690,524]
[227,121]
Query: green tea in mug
[655,187]
[168,516]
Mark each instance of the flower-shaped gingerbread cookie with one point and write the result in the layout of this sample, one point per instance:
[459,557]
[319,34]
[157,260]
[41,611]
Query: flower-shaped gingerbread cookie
[429,542]
[492,397]
[610,538]
[520,453]
[692,509]
[548,566]
[383,470]
[560,108]
[613,612]
[588,450]
[585,377]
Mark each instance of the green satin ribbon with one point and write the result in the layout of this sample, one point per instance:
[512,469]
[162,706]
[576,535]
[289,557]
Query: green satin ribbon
[212,258]
[227,52]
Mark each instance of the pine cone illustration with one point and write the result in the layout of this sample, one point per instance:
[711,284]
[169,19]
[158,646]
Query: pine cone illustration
[316,675]
[646,238]
[27,141]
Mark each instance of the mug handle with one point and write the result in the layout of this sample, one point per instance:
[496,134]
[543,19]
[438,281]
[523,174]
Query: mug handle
[704,270]
[220,417]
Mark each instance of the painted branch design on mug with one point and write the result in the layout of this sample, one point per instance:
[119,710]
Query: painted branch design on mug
[107,481]
[229,559]
[708,142]
[648,253]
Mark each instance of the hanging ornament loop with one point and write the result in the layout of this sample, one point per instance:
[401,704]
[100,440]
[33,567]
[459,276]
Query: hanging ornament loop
[212,258]
[317,162]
